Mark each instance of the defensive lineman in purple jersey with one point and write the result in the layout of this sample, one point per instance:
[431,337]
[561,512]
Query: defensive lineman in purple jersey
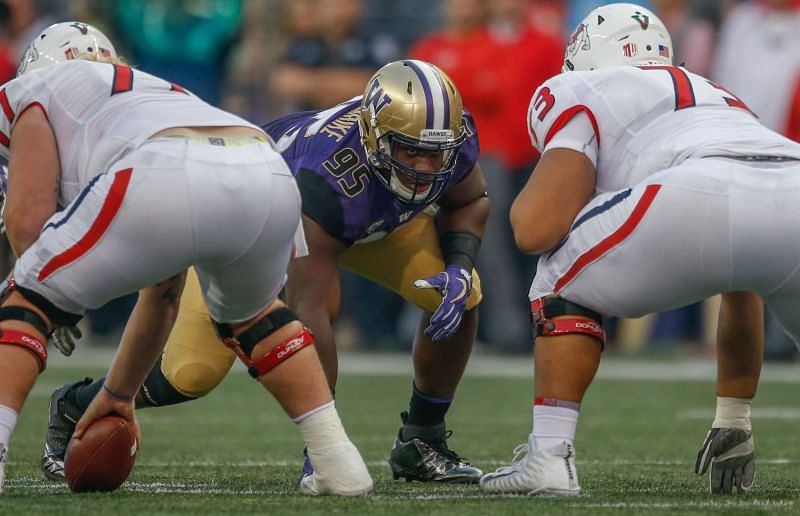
[324,152]
[391,190]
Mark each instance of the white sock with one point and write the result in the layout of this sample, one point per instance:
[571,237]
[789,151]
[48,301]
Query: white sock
[321,427]
[8,420]
[554,422]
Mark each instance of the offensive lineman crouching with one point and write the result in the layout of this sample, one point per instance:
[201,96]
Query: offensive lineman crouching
[155,154]
[392,191]
[656,189]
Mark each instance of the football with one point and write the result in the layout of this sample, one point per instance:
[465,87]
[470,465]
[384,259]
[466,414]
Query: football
[103,458]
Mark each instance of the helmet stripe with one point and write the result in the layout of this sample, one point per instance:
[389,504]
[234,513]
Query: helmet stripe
[446,99]
[435,95]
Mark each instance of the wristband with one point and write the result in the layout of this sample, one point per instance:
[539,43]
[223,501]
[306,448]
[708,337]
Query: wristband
[460,248]
[115,394]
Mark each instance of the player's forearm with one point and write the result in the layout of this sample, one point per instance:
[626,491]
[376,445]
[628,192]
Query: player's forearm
[470,218]
[740,344]
[319,322]
[144,336]
[22,232]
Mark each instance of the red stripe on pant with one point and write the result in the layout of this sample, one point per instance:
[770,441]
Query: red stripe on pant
[612,240]
[108,211]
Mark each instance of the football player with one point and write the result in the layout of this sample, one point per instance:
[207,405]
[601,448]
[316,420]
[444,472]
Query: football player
[392,191]
[657,188]
[152,180]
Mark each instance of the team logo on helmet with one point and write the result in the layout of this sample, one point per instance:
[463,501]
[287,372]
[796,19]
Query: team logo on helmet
[81,27]
[579,40]
[642,19]
[376,99]
[31,55]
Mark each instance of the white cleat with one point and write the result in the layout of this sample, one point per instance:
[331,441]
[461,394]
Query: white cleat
[338,470]
[537,472]
[3,454]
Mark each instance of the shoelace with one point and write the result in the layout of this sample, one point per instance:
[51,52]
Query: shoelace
[440,445]
[520,453]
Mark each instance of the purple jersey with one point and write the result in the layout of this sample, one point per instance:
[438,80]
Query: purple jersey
[340,193]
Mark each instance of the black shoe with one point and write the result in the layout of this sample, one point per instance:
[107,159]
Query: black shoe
[428,459]
[62,418]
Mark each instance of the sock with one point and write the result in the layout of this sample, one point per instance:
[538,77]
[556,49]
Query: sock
[554,422]
[8,420]
[83,395]
[426,410]
[321,426]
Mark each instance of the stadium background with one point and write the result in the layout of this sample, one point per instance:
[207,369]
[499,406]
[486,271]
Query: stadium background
[264,58]
[235,452]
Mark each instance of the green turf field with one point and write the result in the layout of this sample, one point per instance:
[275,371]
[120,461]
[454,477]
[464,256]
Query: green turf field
[235,452]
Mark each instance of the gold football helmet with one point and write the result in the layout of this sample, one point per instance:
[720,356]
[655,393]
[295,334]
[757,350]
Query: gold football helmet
[411,105]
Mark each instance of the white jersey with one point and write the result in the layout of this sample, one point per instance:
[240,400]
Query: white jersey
[642,120]
[100,112]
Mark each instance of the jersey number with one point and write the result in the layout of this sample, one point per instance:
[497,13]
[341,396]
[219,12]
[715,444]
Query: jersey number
[684,92]
[353,177]
[544,102]
[123,81]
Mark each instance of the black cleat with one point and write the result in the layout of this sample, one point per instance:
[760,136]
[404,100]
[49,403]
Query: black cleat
[62,418]
[429,459]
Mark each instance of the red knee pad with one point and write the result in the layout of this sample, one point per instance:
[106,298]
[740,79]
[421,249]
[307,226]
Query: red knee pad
[27,341]
[275,356]
[584,321]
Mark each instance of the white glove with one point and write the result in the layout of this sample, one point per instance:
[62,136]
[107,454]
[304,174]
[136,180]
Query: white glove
[731,454]
[64,338]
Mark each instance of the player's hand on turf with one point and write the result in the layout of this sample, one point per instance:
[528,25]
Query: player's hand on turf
[64,337]
[454,285]
[731,454]
[106,404]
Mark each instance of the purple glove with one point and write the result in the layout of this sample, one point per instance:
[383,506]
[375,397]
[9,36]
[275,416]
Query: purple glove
[455,285]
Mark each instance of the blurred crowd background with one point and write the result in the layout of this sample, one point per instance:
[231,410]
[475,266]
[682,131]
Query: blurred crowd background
[265,58]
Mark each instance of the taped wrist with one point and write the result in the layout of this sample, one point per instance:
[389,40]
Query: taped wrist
[732,413]
[460,248]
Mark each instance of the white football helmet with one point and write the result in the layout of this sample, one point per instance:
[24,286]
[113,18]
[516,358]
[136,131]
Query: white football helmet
[62,42]
[618,34]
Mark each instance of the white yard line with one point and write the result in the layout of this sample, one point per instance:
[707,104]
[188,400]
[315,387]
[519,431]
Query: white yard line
[484,365]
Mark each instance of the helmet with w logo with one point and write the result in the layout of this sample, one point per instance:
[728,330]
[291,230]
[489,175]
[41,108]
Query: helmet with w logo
[618,34]
[414,107]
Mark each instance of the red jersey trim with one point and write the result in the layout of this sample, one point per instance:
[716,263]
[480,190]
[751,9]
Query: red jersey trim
[175,87]
[123,79]
[108,211]
[4,139]
[564,118]
[6,105]
[35,104]
[612,240]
